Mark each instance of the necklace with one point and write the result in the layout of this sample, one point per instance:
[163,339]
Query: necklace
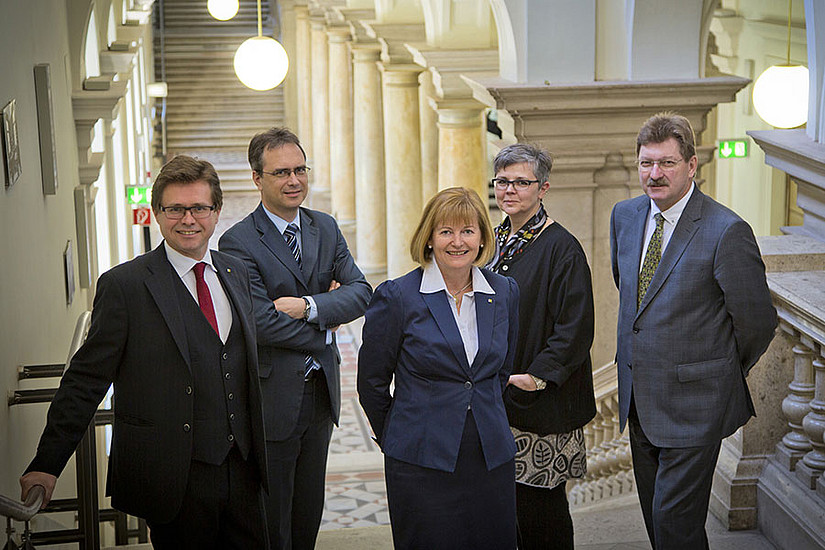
[458,294]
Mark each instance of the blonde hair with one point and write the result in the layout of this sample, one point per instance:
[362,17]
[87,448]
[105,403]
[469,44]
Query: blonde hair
[455,204]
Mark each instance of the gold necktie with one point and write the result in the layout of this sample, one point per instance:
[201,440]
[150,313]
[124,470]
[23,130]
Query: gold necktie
[652,257]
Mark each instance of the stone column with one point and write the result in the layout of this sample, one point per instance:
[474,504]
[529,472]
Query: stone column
[288,35]
[342,170]
[320,190]
[303,73]
[795,406]
[813,463]
[461,147]
[370,190]
[402,150]
[428,119]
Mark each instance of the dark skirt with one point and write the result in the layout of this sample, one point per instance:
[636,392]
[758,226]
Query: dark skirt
[470,508]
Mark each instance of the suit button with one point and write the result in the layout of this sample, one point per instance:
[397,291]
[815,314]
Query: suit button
[188,390]
[187,428]
[468,385]
[635,330]
[225,356]
[231,396]
[505,267]
[630,366]
[230,438]
[231,416]
[227,376]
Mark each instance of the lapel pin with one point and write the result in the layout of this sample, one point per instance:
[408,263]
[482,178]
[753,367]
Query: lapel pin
[228,270]
[489,300]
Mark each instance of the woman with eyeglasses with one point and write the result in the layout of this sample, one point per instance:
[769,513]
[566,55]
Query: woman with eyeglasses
[444,334]
[549,397]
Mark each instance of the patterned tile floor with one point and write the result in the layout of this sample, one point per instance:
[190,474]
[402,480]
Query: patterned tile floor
[355,491]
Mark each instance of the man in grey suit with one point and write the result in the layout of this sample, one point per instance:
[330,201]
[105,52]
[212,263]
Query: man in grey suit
[304,284]
[695,314]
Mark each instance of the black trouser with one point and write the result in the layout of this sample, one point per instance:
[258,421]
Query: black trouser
[297,472]
[222,509]
[544,521]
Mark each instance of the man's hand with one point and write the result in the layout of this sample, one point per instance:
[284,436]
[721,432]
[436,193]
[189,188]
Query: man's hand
[47,481]
[334,285]
[523,382]
[292,306]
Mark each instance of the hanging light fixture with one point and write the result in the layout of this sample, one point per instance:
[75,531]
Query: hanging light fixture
[261,62]
[780,94]
[222,10]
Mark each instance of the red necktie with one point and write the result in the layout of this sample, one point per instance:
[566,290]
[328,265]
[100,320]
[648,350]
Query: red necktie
[204,298]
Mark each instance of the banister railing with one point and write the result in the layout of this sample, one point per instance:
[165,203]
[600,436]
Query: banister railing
[23,511]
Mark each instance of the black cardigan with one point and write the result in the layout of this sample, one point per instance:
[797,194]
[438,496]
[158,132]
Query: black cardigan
[555,334]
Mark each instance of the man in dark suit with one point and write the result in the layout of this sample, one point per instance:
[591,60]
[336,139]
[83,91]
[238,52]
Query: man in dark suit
[173,331]
[304,284]
[695,314]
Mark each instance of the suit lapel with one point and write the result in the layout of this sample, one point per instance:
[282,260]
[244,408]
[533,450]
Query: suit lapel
[485,316]
[309,245]
[228,279]
[443,315]
[160,284]
[274,241]
[685,230]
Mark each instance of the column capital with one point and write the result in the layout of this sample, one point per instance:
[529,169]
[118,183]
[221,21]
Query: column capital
[354,17]
[462,113]
[400,75]
[301,12]
[448,66]
[394,37]
[339,34]
[366,53]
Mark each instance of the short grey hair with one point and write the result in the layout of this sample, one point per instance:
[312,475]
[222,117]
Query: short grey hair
[537,158]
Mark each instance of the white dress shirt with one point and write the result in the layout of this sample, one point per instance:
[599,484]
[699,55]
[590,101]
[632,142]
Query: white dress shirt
[432,282]
[184,265]
[671,216]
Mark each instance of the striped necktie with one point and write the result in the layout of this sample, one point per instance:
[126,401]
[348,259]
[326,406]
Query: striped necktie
[291,237]
[652,257]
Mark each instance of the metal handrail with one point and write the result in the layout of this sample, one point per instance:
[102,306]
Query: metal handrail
[23,511]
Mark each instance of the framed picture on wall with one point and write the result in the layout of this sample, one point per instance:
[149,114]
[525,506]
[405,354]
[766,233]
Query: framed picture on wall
[11,145]
[45,127]
[68,264]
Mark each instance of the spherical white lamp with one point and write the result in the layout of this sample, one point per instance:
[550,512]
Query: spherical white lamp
[780,96]
[222,10]
[261,63]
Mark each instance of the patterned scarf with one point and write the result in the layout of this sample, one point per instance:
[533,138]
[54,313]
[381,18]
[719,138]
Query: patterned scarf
[505,250]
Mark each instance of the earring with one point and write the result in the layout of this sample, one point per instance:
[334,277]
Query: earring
[481,245]
[430,246]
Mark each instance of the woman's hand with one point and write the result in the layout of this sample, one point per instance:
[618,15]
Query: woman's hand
[523,382]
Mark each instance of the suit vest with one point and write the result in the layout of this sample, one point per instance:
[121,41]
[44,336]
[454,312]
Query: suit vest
[220,384]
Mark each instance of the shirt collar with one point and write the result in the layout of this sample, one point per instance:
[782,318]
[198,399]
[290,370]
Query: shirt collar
[184,264]
[432,281]
[281,223]
[672,214]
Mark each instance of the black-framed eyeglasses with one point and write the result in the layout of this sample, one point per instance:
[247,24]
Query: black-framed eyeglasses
[503,184]
[665,165]
[199,211]
[284,173]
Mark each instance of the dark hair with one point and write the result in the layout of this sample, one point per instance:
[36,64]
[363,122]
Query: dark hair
[665,125]
[186,169]
[538,159]
[271,139]
[454,204]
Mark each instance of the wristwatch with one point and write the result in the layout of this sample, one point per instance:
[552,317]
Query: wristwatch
[307,308]
[540,384]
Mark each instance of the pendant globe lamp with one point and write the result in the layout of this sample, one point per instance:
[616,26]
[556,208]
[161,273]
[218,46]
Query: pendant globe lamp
[222,10]
[780,94]
[261,62]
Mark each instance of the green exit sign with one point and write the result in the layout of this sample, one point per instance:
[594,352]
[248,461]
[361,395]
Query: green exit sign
[139,195]
[733,148]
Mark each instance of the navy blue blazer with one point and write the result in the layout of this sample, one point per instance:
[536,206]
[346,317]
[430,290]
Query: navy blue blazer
[414,338]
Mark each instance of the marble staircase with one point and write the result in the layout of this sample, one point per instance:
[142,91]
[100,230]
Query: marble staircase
[209,113]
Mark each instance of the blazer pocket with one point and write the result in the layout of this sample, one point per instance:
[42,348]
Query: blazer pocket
[691,372]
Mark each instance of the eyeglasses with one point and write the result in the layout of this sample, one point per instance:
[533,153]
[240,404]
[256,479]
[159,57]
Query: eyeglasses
[284,173]
[665,165]
[520,185]
[199,211]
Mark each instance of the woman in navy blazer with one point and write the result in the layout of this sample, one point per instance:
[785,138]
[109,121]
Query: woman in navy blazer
[445,335]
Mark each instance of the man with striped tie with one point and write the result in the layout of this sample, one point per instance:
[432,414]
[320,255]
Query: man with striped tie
[304,284]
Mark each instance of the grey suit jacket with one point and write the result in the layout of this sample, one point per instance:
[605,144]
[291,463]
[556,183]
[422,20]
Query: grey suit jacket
[284,342]
[706,319]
